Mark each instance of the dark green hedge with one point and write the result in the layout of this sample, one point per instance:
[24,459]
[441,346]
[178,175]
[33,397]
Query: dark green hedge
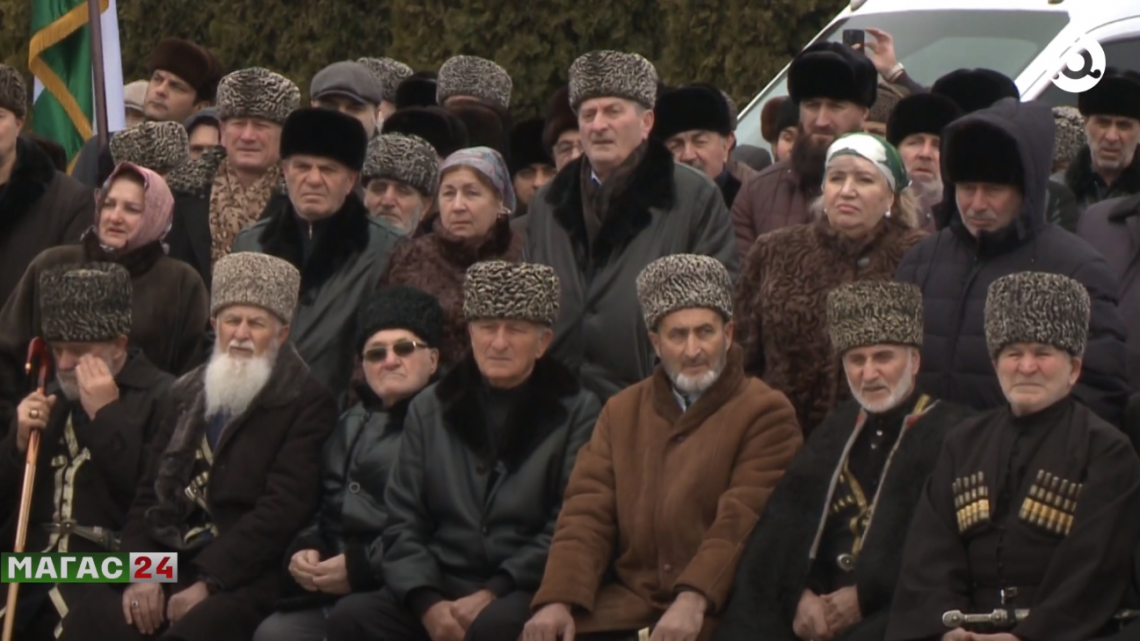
[737,44]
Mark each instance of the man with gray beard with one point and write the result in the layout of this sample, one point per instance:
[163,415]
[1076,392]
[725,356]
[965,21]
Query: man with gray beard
[235,472]
[815,567]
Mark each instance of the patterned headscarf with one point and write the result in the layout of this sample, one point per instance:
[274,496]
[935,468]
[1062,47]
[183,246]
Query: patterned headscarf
[490,164]
[158,205]
[876,149]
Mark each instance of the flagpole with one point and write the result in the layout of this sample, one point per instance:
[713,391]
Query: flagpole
[95,23]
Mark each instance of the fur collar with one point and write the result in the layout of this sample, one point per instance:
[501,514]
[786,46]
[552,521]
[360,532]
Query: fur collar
[717,396]
[30,179]
[540,412]
[465,252]
[345,235]
[1080,175]
[650,187]
[137,262]
[196,177]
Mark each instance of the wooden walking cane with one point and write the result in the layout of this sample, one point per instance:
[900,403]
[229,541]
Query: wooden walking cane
[38,361]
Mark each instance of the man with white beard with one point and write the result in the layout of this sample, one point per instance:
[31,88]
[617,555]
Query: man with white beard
[693,451]
[95,420]
[816,568]
[234,474]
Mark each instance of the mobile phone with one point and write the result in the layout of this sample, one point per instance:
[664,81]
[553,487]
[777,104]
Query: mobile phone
[852,37]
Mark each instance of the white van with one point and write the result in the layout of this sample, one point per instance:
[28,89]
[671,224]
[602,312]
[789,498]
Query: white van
[1023,39]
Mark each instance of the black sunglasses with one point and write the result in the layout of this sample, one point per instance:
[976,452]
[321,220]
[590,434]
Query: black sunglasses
[402,349]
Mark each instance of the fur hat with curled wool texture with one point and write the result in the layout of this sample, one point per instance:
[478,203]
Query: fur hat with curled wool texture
[1070,133]
[405,158]
[257,93]
[526,146]
[475,77]
[13,91]
[1037,307]
[694,107]
[613,74]
[885,103]
[400,307]
[190,62]
[1117,94]
[560,118]
[833,70]
[325,133]
[260,280]
[975,89]
[85,303]
[683,281]
[922,113]
[389,72]
[441,128]
[158,146]
[874,312]
[496,289]
[417,90]
[979,152]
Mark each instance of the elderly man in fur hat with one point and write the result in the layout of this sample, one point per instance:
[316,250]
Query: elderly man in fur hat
[161,147]
[230,187]
[815,567]
[1108,165]
[474,79]
[400,178]
[234,475]
[835,88]
[605,216]
[915,129]
[351,88]
[695,124]
[693,450]
[484,457]
[389,73]
[991,224]
[96,420]
[325,231]
[1033,509]
[560,135]
[183,80]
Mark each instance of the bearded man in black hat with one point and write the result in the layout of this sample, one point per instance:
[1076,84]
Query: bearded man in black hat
[995,165]
[1108,165]
[817,566]
[324,231]
[835,87]
[1030,518]
[695,123]
[96,421]
[915,129]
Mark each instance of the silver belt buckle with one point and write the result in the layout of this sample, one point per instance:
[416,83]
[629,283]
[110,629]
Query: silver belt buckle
[846,562]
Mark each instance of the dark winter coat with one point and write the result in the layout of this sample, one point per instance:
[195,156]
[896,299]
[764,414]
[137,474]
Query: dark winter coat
[1089,187]
[348,258]
[955,271]
[263,484]
[458,517]
[437,263]
[668,208]
[170,311]
[769,200]
[776,565]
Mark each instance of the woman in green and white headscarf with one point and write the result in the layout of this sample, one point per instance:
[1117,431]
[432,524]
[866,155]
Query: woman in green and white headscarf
[866,227]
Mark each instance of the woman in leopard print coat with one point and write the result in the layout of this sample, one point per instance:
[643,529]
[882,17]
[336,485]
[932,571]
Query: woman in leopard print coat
[865,228]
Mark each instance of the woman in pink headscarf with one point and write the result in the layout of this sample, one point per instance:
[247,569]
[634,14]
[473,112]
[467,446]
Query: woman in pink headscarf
[170,303]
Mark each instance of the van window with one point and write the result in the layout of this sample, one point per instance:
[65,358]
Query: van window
[1122,54]
[933,43]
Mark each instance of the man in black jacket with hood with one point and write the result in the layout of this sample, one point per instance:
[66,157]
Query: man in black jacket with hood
[995,164]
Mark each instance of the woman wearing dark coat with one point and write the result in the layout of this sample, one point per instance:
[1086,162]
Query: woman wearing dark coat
[476,199]
[484,460]
[336,560]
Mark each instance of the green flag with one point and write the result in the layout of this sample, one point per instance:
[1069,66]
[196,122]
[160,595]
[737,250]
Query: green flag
[60,59]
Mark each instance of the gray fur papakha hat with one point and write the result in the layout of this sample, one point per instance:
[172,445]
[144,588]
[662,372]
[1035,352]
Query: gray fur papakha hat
[257,93]
[85,303]
[476,77]
[13,91]
[405,158]
[874,312]
[389,72]
[1037,307]
[158,146]
[496,289]
[613,74]
[261,280]
[683,281]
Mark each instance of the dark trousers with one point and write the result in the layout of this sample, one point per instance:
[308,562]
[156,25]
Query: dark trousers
[98,616]
[376,616]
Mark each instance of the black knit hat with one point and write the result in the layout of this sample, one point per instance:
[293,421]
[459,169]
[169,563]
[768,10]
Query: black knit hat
[325,133]
[400,307]
[975,89]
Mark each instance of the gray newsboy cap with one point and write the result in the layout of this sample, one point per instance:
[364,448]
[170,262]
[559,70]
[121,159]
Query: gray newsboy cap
[85,303]
[390,73]
[476,77]
[497,289]
[874,312]
[260,280]
[405,158]
[613,74]
[349,79]
[257,93]
[158,146]
[683,281]
[1037,307]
